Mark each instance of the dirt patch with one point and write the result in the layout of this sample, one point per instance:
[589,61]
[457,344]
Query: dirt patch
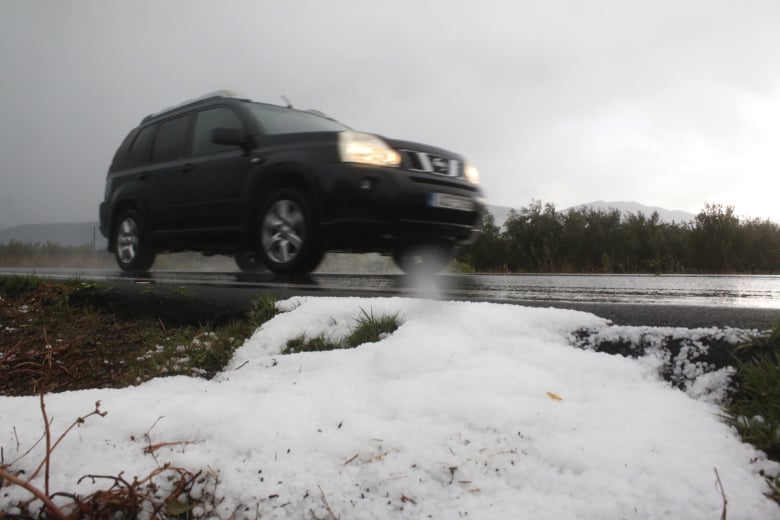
[57,337]
[173,307]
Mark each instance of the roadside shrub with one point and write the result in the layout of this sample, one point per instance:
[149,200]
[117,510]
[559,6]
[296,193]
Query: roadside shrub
[755,408]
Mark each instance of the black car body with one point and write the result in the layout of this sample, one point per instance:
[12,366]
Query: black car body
[277,186]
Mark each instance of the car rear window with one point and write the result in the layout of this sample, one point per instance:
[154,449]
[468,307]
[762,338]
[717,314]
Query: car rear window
[280,120]
[139,151]
[171,140]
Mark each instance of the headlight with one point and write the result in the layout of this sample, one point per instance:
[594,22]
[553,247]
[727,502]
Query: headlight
[363,148]
[472,174]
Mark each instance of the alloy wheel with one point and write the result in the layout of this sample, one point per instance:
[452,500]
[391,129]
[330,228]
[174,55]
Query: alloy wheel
[283,232]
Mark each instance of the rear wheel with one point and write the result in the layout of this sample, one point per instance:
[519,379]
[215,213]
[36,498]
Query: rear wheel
[423,259]
[250,262]
[288,244]
[133,253]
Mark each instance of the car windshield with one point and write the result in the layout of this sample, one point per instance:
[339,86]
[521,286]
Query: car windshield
[280,120]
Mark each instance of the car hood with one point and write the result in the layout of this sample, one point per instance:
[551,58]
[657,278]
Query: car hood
[399,144]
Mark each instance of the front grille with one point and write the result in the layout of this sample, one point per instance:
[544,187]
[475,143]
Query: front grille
[432,163]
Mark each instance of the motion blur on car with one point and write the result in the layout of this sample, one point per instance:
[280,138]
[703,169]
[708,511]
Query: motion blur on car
[276,188]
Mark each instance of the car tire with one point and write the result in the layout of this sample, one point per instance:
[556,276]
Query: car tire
[286,229]
[423,259]
[250,263]
[133,252]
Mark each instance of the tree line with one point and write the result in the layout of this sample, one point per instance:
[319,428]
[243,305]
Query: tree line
[540,239]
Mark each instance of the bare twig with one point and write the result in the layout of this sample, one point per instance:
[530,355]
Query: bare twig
[149,449]
[351,459]
[331,515]
[153,425]
[48,445]
[77,422]
[719,487]
[154,447]
[132,496]
[23,455]
[40,495]
[44,384]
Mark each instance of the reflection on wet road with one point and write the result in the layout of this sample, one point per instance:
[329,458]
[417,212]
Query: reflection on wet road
[745,291]
[741,291]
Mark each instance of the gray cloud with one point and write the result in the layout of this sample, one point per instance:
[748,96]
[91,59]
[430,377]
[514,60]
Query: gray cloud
[671,103]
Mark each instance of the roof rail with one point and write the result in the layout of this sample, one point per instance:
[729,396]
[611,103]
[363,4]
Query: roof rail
[216,94]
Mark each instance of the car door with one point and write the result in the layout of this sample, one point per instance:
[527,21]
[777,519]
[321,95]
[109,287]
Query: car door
[216,172]
[166,193]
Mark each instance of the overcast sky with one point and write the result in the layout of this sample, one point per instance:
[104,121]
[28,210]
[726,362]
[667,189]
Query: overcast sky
[668,103]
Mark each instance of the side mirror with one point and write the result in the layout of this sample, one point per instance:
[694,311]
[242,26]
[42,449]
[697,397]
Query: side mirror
[229,137]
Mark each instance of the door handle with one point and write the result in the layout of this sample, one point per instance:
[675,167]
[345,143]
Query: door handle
[144,176]
[187,168]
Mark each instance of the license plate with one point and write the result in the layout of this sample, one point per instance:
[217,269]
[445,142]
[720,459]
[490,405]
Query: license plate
[447,201]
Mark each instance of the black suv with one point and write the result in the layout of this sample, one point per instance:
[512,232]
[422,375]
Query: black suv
[278,187]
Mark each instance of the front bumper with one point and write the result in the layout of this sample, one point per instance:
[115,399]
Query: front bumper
[374,208]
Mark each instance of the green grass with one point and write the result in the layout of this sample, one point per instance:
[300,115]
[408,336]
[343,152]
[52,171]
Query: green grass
[755,407]
[368,329]
[204,351]
[262,309]
[16,285]
[108,345]
[316,344]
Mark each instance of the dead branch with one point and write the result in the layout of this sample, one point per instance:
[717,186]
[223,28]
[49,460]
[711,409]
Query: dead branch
[331,515]
[77,422]
[44,381]
[154,447]
[37,493]
[353,457]
[719,487]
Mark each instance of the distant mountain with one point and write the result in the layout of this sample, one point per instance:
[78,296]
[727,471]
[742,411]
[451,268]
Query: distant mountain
[666,215]
[65,234]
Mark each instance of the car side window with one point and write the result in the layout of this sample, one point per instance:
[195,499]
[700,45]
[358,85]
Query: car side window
[139,150]
[207,120]
[171,140]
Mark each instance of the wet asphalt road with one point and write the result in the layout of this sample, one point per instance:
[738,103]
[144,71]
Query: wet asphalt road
[235,292]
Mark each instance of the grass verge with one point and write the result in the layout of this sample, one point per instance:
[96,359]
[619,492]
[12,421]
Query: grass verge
[97,338]
[755,408]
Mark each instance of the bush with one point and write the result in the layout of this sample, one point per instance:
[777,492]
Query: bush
[755,408]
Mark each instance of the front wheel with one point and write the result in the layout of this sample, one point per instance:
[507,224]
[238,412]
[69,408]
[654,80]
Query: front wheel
[133,253]
[423,259]
[288,244]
